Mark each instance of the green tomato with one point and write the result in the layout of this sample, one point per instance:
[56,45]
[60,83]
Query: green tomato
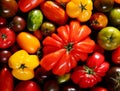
[34,20]
[114,16]
[109,38]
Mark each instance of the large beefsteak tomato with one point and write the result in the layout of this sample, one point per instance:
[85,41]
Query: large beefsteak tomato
[63,50]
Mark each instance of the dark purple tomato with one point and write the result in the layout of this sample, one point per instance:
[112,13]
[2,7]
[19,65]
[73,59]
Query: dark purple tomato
[51,85]
[4,56]
[47,28]
[18,24]
[113,79]
[8,8]
[41,74]
[103,5]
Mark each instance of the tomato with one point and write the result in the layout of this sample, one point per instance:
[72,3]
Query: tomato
[18,24]
[27,5]
[103,5]
[109,38]
[114,16]
[116,56]
[63,50]
[113,78]
[7,37]
[4,55]
[28,42]
[98,88]
[98,21]
[27,86]
[47,28]
[54,12]
[89,75]
[6,79]
[8,8]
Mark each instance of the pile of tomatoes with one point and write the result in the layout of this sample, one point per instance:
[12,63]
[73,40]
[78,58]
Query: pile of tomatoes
[59,45]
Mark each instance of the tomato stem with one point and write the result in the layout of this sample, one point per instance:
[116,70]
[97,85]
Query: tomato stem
[83,7]
[4,36]
[69,46]
[22,66]
[88,70]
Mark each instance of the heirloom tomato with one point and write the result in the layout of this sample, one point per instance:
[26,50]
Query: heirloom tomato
[28,42]
[109,38]
[103,5]
[98,21]
[7,37]
[23,65]
[80,9]
[61,51]
[27,5]
[89,75]
[54,12]
[113,78]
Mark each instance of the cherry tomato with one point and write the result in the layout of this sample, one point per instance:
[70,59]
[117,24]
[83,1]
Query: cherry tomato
[98,21]
[18,24]
[4,55]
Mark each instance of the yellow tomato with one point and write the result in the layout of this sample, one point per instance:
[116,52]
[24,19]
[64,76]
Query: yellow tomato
[28,42]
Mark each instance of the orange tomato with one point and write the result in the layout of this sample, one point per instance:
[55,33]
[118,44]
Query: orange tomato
[117,1]
[62,1]
[28,42]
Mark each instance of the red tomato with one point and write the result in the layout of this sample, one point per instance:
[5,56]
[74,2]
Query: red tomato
[26,5]
[6,79]
[27,86]
[98,88]
[7,37]
[116,56]
[3,21]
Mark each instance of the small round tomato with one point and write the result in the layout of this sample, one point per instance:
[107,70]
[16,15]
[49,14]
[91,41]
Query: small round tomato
[28,42]
[7,37]
[116,56]
[47,28]
[98,88]
[109,38]
[98,21]
[18,24]
[103,5]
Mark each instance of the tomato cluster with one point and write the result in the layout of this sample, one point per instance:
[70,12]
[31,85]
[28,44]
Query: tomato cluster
[60,45]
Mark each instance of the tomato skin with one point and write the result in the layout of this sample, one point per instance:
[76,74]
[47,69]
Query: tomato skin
[27,86]
[8,8]
[27,5]
[28,42]
[98,88]
[116,56]
[7,37]
[6,79]
[54,12]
